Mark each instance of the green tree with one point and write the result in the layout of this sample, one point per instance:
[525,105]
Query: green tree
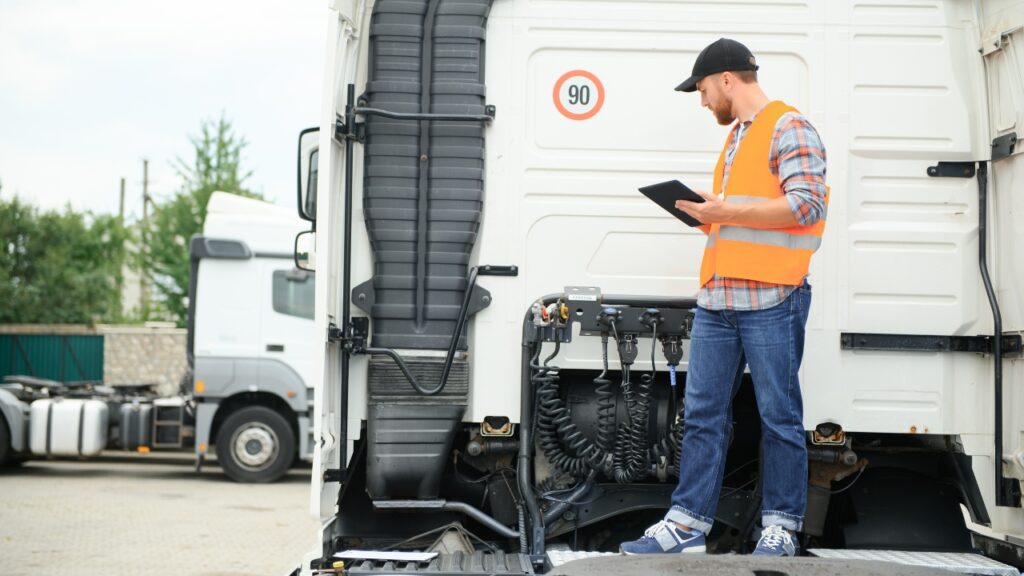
[163,256]
[59,267]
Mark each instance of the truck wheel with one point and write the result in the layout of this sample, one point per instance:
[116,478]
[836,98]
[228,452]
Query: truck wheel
[8,457]
[5,442]
[255,445]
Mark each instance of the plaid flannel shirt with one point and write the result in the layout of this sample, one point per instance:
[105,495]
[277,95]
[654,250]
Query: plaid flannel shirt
[797,156]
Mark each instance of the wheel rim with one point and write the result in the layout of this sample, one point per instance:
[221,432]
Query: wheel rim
[255,446]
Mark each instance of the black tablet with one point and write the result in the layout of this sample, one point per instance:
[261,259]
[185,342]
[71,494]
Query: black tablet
[665,194]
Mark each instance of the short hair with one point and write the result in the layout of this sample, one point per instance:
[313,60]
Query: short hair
[745,76]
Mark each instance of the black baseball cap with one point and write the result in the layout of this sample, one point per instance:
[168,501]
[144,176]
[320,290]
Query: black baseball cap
[720,56]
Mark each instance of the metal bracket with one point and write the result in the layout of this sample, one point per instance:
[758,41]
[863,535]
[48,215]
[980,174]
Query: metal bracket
[1003,146]
[1011,343]
[363,296]
[360,332]
[952,170]
[1009,493]
[359,328]
[341,130]
[335,475]
[996,42]
[480,299]
[493,270]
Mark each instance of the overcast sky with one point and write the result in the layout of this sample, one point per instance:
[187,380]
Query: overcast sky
[88,88]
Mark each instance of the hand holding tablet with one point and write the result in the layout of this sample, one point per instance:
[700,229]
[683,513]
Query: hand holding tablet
[665,194]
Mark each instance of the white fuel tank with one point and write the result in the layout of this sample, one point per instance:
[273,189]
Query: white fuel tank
[68,427]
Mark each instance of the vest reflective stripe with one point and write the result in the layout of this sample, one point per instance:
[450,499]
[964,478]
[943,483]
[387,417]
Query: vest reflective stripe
[737,199]
[770,237]
[759,199]
[773,264]
[777,255]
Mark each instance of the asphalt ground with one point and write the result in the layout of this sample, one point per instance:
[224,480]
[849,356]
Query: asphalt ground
[139,515]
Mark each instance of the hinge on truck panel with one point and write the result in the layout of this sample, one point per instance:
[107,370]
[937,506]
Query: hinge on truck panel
[359,330]
[334,334]
[1003,146]
[343,131]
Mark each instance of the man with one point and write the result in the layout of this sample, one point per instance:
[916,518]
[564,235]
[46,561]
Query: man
[752,304]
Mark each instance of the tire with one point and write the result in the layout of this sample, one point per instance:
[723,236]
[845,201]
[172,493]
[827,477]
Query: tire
[5,442]
[255,445]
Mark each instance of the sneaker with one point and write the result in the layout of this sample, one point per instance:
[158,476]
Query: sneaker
[665,538]
[775,541]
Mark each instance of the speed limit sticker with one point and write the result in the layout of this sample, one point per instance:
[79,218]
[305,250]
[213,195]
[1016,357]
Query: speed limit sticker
[578,95]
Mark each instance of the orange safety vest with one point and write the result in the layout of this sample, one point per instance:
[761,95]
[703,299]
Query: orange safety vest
[774,255]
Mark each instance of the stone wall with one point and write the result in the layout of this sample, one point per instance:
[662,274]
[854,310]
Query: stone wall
[140,355]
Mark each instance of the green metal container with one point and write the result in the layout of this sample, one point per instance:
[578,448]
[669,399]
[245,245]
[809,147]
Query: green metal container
[62,357]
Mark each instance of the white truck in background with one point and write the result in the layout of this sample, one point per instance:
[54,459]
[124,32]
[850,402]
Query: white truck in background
[247,394]
[498,308]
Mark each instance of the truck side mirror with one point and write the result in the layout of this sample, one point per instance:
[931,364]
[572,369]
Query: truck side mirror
[309,143]
[305,250]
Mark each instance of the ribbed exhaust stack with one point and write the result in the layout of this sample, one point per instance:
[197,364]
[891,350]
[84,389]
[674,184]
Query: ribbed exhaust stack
[423,183]
[422,200]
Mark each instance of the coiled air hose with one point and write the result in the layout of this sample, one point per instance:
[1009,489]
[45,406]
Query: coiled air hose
[562,442]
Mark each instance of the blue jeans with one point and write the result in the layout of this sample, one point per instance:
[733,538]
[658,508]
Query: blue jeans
[771,341]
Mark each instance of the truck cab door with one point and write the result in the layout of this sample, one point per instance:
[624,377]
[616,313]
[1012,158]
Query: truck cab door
[1002,38]
[1004,65]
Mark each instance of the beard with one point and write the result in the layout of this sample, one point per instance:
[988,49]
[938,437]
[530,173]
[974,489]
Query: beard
[723,113]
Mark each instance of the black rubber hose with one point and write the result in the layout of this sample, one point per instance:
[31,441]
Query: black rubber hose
[631,448]
[556,511]
[624,438]
[553,418]
[605,404]
[638,430]
[524,469]
[561,440]
[631,454]
[460,324]
[525,464]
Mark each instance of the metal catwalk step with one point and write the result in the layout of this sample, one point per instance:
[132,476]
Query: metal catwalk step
[559,554]
[454,564]
[955,561]
[734,565]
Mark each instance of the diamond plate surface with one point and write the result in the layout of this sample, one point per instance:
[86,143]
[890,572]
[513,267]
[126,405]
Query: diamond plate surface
[559,556]
[957,562]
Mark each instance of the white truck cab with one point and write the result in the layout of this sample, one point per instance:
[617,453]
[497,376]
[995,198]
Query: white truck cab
[249,339]
[479,231]
[248,391]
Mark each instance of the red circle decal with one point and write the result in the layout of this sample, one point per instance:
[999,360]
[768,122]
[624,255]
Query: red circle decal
[578,95]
